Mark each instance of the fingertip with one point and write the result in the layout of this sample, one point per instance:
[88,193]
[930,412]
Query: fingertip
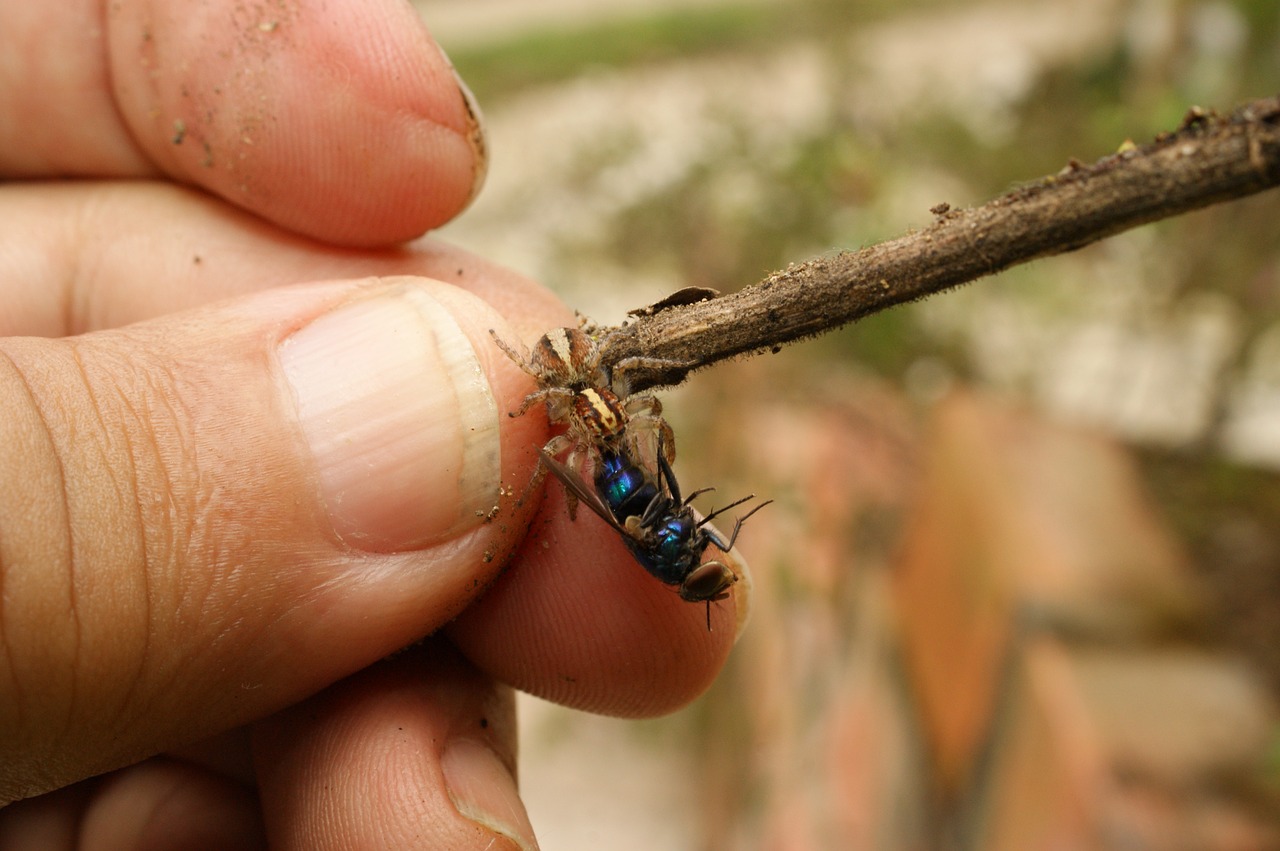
[483,789]
[166,804]
[742,589]
[349,126]
[418,750]
[583,625]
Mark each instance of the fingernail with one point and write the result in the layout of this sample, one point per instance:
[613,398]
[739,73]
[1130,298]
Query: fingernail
[475,131]
[741,589]
[484,792]
[399,417]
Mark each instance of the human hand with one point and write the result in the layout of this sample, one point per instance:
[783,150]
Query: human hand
[241,463]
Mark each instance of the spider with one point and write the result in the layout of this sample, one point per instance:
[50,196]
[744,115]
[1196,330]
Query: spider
[579,393]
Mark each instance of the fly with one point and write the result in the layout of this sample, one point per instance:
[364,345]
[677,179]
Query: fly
[657,525]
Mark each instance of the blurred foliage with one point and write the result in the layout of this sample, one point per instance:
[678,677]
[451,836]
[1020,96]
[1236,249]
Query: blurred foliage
[540,57]
[740,213]
[1225,513]
[1080,111]
[549,56]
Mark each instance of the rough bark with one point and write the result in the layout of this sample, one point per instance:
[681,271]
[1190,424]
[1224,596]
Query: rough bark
[1210,158]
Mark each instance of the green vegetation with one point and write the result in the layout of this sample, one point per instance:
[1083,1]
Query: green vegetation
[550,56]
[741,213]
[547,56]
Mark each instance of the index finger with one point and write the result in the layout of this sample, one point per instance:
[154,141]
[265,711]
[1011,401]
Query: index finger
[342,121]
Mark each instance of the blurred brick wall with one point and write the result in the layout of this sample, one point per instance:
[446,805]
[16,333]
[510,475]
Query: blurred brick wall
[1017,663]
[1049,625]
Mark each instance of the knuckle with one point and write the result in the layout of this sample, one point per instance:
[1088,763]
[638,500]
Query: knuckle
[80,537]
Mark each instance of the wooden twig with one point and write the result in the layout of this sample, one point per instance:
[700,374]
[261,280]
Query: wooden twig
[1208,159]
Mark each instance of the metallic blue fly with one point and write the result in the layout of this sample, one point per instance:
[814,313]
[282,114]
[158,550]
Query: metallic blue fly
[656,524]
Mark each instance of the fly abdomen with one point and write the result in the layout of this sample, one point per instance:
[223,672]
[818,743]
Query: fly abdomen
[624,487]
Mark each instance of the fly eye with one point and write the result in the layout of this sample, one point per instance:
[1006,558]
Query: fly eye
[708,581]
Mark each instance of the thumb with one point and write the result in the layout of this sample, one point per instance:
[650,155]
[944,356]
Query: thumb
[206,517]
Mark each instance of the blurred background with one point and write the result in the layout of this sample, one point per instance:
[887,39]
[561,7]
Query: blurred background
[1021,584]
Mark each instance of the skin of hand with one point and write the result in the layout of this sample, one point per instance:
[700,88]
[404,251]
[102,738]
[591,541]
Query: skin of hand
[252,444]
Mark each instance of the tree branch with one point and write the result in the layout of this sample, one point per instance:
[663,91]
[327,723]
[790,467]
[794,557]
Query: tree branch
[1208,159]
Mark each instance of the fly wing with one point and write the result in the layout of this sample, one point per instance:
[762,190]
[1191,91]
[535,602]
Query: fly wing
[573,484]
